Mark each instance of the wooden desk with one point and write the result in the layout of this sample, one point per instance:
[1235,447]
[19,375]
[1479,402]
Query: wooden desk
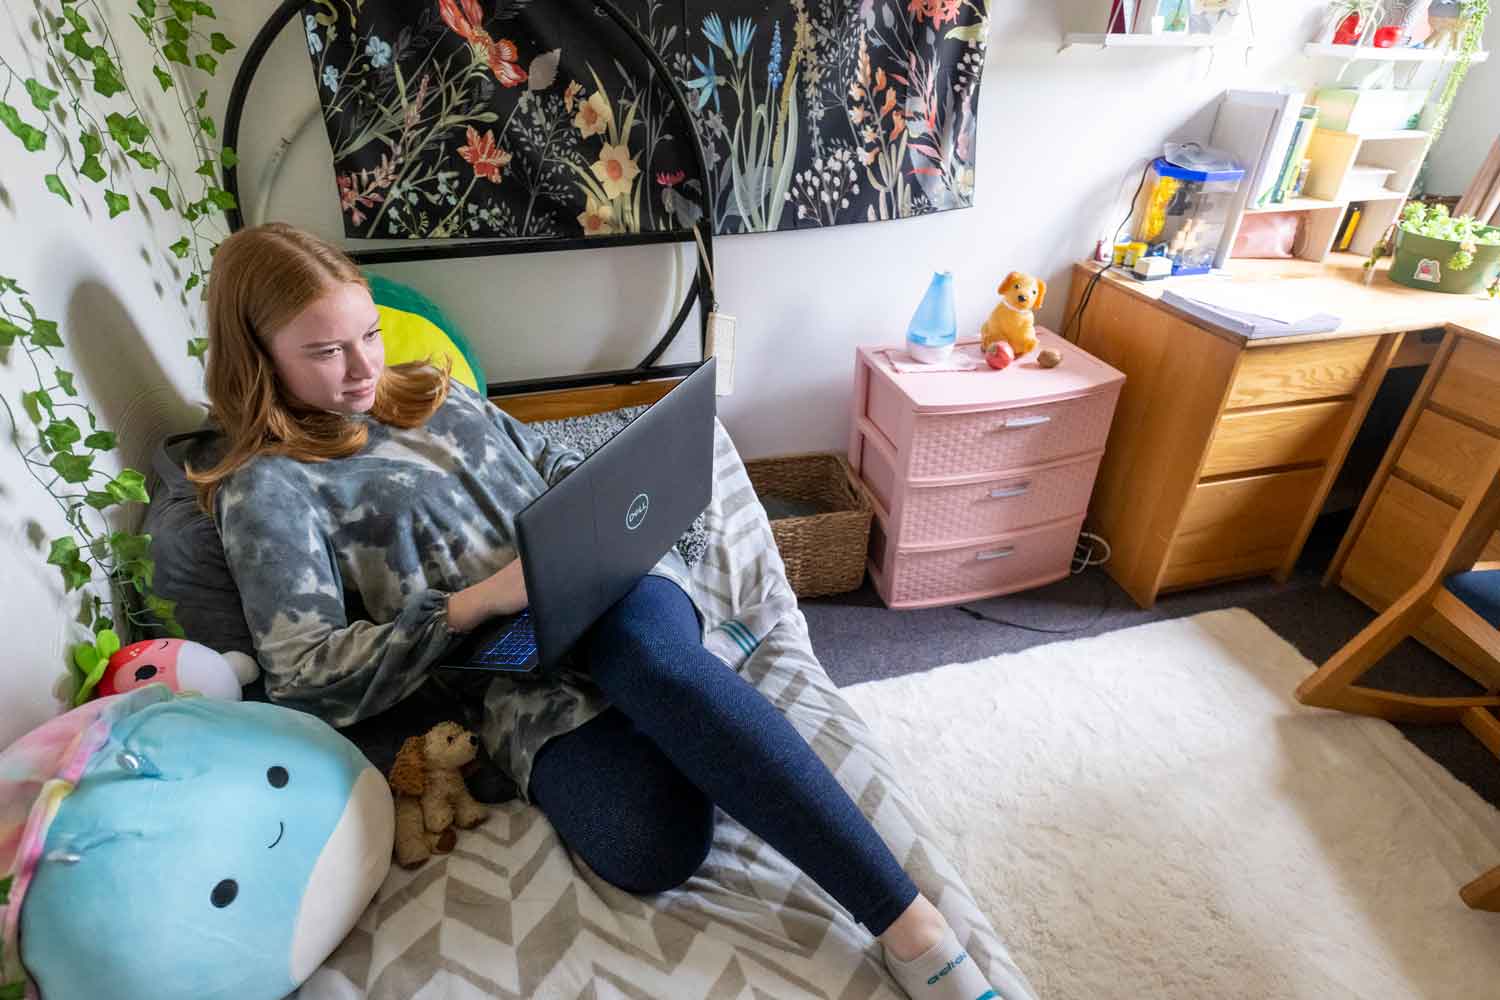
[1223,449]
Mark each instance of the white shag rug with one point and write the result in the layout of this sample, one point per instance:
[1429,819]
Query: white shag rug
[1150,815]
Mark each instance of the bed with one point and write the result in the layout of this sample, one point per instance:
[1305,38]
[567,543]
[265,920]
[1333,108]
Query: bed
[511,913]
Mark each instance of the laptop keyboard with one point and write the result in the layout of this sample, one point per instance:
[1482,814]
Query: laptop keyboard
[515,648]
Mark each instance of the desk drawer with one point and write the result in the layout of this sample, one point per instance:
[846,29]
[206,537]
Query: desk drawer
[1399,541]
[1238,527]
[1291,373]
[959,444]
[1442,455]
[1470,383]
[1282,435]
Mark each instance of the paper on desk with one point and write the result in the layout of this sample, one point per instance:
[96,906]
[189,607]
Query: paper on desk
[1277,301]
[965,358]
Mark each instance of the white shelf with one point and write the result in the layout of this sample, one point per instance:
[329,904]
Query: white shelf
[1165,40]
[1296,205]
[1351,53]
[1384,195]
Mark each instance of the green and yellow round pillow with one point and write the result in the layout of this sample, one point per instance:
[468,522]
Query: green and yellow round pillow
[415,329]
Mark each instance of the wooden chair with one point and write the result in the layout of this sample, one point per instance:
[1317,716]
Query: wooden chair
[1469,598]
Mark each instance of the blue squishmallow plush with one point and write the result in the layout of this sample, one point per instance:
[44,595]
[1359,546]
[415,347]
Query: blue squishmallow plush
[169,846]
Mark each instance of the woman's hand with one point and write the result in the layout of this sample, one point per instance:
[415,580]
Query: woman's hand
[504,593]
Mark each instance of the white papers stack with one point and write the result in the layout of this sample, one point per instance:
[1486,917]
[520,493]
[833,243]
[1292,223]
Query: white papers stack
[1252,309]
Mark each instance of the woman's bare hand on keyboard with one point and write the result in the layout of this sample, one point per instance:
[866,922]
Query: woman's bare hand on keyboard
[504,593]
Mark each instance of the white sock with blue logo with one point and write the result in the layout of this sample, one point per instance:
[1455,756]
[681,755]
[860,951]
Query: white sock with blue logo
[942,972]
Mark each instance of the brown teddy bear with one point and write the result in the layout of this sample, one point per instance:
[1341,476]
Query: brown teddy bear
[430,794]
[1012,321]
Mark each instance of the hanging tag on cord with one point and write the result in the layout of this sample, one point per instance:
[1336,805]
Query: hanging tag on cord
[721,330]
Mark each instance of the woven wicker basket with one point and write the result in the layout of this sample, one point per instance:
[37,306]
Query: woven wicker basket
[824,553]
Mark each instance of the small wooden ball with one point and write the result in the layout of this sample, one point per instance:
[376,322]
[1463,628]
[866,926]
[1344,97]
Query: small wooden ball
[1049,358]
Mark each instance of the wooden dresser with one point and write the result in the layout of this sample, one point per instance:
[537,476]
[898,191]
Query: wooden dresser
[1452,427]
[1224,449]
[980,479]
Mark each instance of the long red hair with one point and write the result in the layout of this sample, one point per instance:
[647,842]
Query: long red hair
[262,278]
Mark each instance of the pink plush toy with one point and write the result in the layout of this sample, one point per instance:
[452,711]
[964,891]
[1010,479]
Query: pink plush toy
[180,665]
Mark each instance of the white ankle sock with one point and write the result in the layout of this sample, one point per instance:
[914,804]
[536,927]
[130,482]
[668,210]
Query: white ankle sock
[943,972]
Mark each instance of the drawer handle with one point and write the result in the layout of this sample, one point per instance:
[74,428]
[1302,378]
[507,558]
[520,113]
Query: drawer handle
[1006,492]
[1032,421]
[1009,550]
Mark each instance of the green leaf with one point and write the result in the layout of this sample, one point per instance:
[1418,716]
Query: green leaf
[76,43]
[229,157]
[55,185]
[91,142]
[107,80]
[147,7]
[41,97]
[8,332]
[200,7]
[209,128]
[92,169]
[76,575]
[182,9]
[145,159]
[73,468]
[5,890]
[175,52]
[130,548]
[192,282]
[221,199]
[162,77]
[143,23]
[116,202]
[161,195]
[181,248]
[206,63]
[128,486]
[100,441]
[62,552]
[202,100]
[206,168]
[62,434]
[31,137]
[198,347]
[34,403]
[969,32]
[91,679]
[65,381]
[219,43]
[13,991]
[99,501]
[176,31]
[44,333]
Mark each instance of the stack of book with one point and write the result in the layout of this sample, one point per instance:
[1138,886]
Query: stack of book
[1270,131]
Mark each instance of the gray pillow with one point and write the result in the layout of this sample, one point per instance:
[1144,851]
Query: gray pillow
[190,564]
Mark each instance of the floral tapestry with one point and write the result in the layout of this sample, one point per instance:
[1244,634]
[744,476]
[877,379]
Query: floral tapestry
[540,118]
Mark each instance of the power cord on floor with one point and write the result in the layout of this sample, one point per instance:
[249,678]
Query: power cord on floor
[1087,554]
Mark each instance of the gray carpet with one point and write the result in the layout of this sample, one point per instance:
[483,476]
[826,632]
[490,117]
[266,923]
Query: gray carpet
[858,639]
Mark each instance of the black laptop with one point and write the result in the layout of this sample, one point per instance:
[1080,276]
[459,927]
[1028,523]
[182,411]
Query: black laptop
[590,538]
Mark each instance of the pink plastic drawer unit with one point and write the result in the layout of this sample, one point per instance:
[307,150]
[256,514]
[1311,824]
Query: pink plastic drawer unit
[980,479]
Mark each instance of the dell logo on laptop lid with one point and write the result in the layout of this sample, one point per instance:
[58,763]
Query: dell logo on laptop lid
[637,512]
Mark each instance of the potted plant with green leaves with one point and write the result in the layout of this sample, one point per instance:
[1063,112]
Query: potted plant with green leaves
[1439,252]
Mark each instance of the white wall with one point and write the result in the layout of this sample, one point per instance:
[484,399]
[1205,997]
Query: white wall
[1472,128]
[115,301]
[1059,136]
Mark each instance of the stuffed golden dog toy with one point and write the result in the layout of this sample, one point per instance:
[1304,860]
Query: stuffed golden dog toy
[431,797]
[1012,321]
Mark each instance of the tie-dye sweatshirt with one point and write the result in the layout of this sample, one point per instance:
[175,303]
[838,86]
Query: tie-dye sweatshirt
[344,567]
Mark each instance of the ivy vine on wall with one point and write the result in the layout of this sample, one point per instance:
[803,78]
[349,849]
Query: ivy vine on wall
[86,117]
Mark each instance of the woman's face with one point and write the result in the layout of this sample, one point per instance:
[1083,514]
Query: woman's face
[330,356]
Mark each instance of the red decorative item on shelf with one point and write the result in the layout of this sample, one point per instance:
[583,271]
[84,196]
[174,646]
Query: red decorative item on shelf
[1349,30]
[1388,36]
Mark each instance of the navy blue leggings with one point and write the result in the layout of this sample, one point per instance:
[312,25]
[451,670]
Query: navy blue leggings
[633,790]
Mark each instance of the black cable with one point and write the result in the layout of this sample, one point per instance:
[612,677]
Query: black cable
[1104,606]
[1088,290]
